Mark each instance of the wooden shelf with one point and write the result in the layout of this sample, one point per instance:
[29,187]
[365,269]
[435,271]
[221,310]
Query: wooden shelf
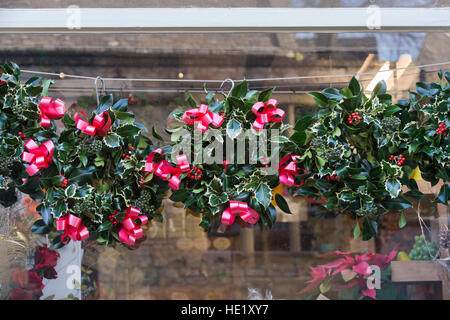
[415,271]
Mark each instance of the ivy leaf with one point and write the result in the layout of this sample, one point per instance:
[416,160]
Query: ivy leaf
[354,86]
[282,203]
[303,123]
[299,137]
[263,195]
[265,95]
[215,185]
[320,99]
[112,140]
[379,89]
[121,105]
[240,90]
[393,186]
[234,128]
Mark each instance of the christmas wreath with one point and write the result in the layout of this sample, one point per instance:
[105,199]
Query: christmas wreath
[226,186]
[359,151]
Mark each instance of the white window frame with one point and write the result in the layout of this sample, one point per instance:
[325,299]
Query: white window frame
[167,20]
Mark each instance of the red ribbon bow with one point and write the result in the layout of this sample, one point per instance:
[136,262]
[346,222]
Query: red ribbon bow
[99,124]
[269,113]
[51,110]
[245,212]
[182,167]
[160,169]
[203,117]
[129,230]
[287,171]
[39,157]
[73,228]
[164,169]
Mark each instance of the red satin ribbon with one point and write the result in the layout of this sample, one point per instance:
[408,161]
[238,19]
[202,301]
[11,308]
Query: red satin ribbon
[39,157]
[129,230]
[203,117]
[245,212]
[269,113]
[99,126]
[72,227]
[165,170]
[51,110]
[182,167]
[288,169]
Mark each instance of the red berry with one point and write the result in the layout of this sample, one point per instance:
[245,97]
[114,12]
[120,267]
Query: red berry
[123,154]
[444,134]
[131,148]
[127,157]
[20,133]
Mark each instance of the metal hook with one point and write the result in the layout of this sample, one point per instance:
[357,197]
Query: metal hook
[232,85]
[96,88]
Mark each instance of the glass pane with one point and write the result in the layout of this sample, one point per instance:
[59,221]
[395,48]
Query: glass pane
[178,260]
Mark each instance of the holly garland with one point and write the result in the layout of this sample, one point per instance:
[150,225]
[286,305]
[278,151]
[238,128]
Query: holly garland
[102,178]
[360,151]
[225,192]
[101,159]
[21,115]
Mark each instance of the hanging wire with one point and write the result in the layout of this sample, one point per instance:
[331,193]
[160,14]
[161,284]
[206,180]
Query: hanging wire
[248,80]
[96,88]
[231,89]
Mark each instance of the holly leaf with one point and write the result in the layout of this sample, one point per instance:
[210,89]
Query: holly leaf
[282,203]
[234,128]
[112,140]
[399,203]
[263,194]
[81,175]
[393,186]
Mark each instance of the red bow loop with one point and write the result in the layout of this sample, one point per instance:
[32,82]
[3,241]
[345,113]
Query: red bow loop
[39,157]
[183,167]
[51,110]
[73,228]
[246,213]
[287,170]
[100,125]
[130,230]
[203,117]
[266,112]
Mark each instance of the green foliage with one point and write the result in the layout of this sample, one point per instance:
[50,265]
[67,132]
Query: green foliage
[364,154]
[210,195]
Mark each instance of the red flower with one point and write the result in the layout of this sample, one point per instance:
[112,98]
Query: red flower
[28,279]
[45,257]
[25,294]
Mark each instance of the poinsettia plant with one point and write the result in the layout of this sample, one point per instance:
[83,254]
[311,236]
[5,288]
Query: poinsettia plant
[350,274]
[357,153]
[102,196]
[25,114]
[228,189]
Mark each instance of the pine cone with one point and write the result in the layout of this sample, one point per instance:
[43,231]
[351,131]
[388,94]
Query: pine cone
[444,237]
